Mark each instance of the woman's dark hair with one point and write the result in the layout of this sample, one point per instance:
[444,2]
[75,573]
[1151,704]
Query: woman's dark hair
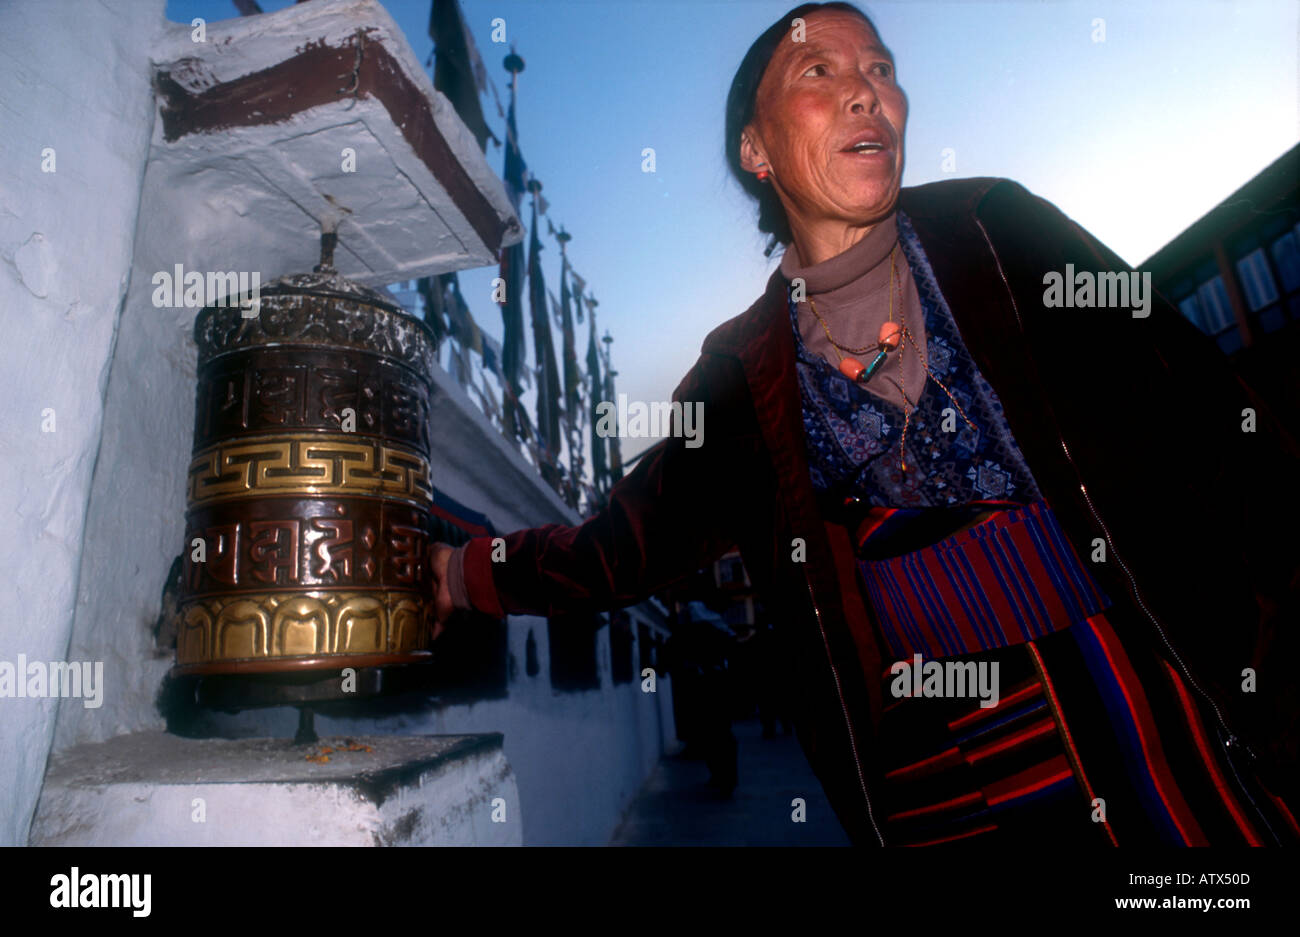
[741,101]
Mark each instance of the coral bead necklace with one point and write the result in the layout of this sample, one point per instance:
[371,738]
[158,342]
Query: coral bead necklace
[892,336]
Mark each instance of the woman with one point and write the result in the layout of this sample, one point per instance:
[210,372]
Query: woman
[1060,500]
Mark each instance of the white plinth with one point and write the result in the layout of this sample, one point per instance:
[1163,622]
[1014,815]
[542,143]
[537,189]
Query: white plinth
[155,789]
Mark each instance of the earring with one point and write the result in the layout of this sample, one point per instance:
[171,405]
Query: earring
[762,174]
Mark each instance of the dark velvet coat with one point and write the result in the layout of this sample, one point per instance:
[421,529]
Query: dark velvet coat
[1133,428]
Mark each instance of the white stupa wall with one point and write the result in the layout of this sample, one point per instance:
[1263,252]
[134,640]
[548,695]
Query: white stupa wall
[74,79]
[96,508]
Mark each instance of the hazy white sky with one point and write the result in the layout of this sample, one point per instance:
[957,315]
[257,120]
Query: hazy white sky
[1134,137]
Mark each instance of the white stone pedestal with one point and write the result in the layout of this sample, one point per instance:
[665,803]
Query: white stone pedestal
[155,789]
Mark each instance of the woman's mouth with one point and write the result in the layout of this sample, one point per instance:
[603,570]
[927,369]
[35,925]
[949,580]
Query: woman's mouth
[866,149]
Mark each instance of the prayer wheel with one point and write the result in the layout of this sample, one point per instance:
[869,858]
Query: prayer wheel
[307,525]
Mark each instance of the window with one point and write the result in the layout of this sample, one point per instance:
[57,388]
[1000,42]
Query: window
[572,640]
[644,647]
[620,646]
[531,666]
[731,572]
[1286,257]
[1257,280]
[472,660]
[737,614]
[1216,311]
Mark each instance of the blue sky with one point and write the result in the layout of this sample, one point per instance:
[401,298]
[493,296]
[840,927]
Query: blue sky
[1134,137]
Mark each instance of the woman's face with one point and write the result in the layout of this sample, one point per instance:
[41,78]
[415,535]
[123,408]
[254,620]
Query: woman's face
[818,98]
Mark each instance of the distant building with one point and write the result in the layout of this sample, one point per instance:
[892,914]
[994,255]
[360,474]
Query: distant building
[1235,273]
[743,609]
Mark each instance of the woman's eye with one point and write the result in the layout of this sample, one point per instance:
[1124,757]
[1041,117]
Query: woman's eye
[813,69]
[884,69]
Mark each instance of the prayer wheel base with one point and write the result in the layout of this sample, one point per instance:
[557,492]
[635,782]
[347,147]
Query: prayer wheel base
[232,690]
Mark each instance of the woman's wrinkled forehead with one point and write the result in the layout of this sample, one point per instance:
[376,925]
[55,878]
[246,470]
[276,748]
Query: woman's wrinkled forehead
[820,33]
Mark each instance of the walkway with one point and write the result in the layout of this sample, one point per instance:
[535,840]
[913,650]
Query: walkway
[677,808]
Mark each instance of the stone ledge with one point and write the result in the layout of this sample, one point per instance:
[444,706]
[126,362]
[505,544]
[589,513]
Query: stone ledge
[152,788]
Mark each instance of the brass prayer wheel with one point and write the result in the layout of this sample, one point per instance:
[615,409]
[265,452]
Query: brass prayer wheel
[307,524]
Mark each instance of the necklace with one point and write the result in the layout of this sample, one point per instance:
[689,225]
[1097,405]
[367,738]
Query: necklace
[891,336]
[907,412]
[866,348]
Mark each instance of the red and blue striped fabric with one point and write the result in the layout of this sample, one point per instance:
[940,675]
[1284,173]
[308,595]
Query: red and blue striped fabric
[1092,743]
[1009,579]
[1096,739]
[960,773]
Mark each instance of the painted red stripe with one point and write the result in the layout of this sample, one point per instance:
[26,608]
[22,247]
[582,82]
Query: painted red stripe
[1202,743]
[1148,736]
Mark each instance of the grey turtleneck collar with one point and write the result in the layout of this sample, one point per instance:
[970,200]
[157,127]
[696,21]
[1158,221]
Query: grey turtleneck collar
[852,294]
[844,268]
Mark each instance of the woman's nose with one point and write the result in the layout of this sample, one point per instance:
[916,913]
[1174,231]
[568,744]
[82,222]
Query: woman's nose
[864,98]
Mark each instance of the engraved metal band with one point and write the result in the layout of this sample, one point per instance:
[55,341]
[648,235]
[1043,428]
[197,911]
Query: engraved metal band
[306,624]
[304,319]
[292,543]
[286,390]
[307,464]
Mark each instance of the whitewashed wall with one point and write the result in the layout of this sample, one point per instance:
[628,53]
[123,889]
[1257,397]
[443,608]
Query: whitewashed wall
[95,510]
[73,77]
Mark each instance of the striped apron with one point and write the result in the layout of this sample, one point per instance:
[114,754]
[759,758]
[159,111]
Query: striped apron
[1094,739]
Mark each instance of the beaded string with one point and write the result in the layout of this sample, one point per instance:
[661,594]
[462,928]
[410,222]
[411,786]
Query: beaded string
[906,336]
[925,366]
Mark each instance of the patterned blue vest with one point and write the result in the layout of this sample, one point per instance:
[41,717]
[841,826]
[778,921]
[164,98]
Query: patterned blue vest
[853,437]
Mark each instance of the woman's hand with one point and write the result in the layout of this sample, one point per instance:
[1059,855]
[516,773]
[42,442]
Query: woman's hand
[439,556]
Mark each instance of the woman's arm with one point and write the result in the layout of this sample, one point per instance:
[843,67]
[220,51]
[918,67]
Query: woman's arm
[678,510]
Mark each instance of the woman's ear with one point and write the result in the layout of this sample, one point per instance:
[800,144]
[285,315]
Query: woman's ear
[752,157]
